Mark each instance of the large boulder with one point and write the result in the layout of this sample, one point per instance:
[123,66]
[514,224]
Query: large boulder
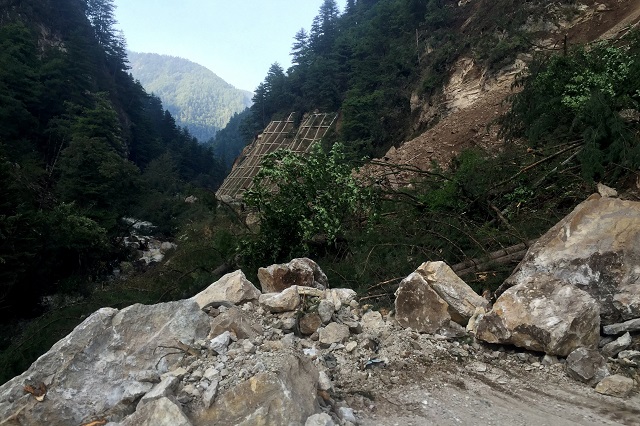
[461,298]
[284,396]
[418,306]
[100,370]
[232,288]
[301,272]
[595,248]
[543,315]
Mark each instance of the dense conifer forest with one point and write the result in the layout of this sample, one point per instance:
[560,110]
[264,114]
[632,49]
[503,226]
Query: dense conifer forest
[81,145]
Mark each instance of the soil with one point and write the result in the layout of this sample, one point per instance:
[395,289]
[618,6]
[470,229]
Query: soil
[474,126]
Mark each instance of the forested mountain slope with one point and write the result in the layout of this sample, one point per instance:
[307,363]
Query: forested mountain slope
[81,145]
[196,97]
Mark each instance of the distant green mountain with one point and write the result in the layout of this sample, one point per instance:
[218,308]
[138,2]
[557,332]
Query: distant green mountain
[196,97]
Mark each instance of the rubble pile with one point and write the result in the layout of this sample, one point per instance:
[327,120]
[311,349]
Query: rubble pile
[301,353]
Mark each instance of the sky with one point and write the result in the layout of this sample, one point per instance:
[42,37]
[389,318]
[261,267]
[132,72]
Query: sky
[236,39]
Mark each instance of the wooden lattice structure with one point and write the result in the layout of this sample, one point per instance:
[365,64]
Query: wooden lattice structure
[278,135]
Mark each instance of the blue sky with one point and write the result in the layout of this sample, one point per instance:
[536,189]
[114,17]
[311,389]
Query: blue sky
[236,39]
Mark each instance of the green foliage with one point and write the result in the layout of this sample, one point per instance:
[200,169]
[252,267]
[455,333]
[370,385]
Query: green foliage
[581,98]
[304,203]
[197,98]
[75,132]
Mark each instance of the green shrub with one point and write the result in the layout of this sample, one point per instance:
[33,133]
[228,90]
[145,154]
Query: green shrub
[304,203]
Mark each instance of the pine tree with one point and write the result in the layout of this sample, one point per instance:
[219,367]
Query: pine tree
[324,28]
[300,48]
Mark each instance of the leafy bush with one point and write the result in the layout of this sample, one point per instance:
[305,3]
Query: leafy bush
[304,203]
[580,98]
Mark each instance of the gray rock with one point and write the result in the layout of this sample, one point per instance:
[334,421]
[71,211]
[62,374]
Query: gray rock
[210,394]
[587,366]
[163,389]
[461,298]
[324,382]
[286,301]
[299,272]
[418,306]
[346,415]
[340,296]
[616,385]
[612,349]
[232,288]
[629,355]
[159,412]
[150,376]
[285,395]
[597,248]
[372,322]
[236,321]
[624,327]
[549,360]
[220,343]
[542,315]
[248,347]
[322,419]
[333,333]
[326,310]
[98,358]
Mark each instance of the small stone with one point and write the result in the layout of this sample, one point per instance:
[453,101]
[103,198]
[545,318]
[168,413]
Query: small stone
[614,329]
[220,344]
[604,190]
[163,389]
[326,309]
[288,341]
[211,373]
[549,360]
[333,333]
[322,419]
[479,367]
[629,354]
[134,390]
[587,365]
[613,348]
[616,385]
[310,323]
[179,372]
[150,376]
[196,376]
[210,394]
[340,296]
[248,347]
[324,382]
[346,415]
[286,301]
[350,347]
[288,323]
[354,326]
[372,322]
[188,393]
